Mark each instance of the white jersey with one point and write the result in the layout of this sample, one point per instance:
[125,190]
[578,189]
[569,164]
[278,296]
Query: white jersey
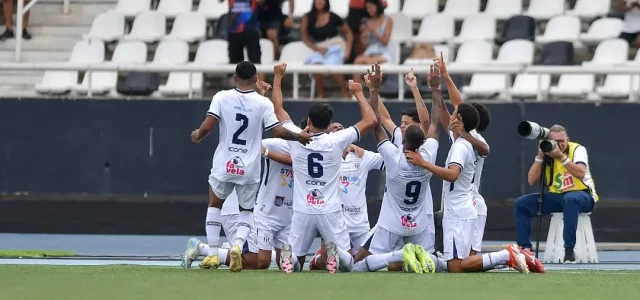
[243,116]
[407,202]
[316,168]
[458,195]
[482,209]
[396,139]
[354,172]
[230,205]
[275,197]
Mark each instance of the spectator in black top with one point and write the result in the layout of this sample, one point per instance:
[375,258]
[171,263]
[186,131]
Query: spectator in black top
[244,31]
[273,22]
[320,30]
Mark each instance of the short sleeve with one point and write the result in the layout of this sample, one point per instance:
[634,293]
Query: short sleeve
[430,149]
[214,107]
[373,160]
[291,127]
[277,145]
[388,151]
[451,139]
[269,119]
[345,137]
[396,137]
[580,156]
[336,20]
[458,155]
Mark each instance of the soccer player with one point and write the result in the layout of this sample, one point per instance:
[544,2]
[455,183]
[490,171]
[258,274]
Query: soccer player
[243,115]
[316,205]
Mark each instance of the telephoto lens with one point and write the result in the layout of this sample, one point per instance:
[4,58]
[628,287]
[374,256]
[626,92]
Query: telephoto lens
[548,145]
[532,131]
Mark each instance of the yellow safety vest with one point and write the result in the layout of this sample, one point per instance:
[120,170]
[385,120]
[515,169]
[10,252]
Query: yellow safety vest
[564,182]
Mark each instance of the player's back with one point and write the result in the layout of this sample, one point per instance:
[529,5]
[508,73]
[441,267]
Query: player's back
[458,195]
[479,162]
[275,197]
[243,116]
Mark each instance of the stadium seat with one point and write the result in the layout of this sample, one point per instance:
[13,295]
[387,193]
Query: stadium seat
[503,9]
[485,85]
[460,9]
[526,85]
[545,9]
[171,52]
[590,9]
[617,86]
[477,27]
[561,28]
[437,49]
[419,9]
[435,28]
[516,52]
[393,7]
[295,53]
[148,27]
[213,9]
[557,54]
[610,52]
[132,8]
[474,53]
[585,250]
[131,52]
[189,27]
[635,61]
[221,29]
[61,82]
[573,85]
[602,29]
[518,28]
[300,9]
[107,27]
[402,28]
[173,8]
[267,52]
[339,7]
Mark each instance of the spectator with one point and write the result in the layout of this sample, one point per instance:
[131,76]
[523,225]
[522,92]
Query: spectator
[7,7]
[631,27]
[320,30]
[357,13]
[421,54]
[244,31]
[273,22]
[376,34]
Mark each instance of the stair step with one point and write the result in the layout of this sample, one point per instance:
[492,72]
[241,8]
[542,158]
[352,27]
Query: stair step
[42,43]
[61,20]
[36,56]
[52,30]
[78,9]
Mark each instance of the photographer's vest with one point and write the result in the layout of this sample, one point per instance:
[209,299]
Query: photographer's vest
[564,182]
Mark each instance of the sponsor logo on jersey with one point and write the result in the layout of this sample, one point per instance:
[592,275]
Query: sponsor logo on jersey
[237,150]
[279,201]
[564,181]
[287,177]
[316,182]
[347,181]
[235,166]
[354,210]
[315,198]
[242,107]
[408,221]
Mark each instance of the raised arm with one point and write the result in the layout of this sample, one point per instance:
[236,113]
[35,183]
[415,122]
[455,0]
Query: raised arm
[423,114]
[276,95]
[378,131]
[478,145]
[384,118]
[454,94]
[276,156]
[437,103]
[368,120]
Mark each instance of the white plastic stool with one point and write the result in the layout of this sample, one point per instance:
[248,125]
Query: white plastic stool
[585,249]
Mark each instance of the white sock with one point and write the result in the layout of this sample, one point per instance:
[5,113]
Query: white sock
[273,256]
[245,219]
[223,256]
[493,259]
[377,262]
[441,264]
[213,227]
[346,261]
[204,249]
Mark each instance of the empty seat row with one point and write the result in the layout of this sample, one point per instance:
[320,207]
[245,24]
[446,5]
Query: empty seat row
[211,9]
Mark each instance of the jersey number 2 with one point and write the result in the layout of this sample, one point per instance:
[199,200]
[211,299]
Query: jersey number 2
[412,191]
[315,168]
[245,123]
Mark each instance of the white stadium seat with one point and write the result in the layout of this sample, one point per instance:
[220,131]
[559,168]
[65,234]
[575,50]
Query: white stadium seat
[295,53]
[132,8]
[266,52]
[60,82]
[131,52]
[171,52]
[212,52]
[503,9]
[617,86]
[516,52]
[173,8]
[300,9]
[590,9]
[460,9]
[602,29]
[485,85]
[189,27]
[402,28]
[339,7]
[213,9]
[435,28]
[437,49]
[107,27]
[526,85]
[477,27]
[610,52]
[474,53]
[545,9]
[561,28]
[573,85]
[148,27]
[393,7]
[418,9]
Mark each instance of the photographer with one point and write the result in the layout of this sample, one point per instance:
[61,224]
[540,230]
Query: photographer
[571,189]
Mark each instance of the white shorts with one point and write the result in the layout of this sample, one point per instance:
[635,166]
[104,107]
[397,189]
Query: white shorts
[478,234]
[380,240]
[267,236]
[457,237]
[358,238]
[246,192]
[230,225]
[304,228]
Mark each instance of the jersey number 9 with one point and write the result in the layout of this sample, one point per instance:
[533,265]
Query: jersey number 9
[412,191]
[315,168]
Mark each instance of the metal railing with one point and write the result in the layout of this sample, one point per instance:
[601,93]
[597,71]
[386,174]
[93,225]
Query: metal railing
[20,11]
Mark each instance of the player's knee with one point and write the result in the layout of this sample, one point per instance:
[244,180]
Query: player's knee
[455,266]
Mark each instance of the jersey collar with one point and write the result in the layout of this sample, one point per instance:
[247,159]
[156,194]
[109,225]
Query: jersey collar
[244,92]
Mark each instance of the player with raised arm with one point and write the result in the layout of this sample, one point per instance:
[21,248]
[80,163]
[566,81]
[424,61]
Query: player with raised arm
[243,115]
[316,168]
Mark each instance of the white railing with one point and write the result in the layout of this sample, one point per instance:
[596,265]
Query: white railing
[297,69]
[20,11]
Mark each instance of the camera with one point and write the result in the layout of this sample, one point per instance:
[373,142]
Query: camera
[533,131]
[548,145]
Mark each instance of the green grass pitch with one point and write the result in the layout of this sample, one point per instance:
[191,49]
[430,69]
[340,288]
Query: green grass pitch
[159,283]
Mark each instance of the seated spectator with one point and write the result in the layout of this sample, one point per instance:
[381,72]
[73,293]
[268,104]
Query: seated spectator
[320,29]
[631,27]
[7,6]
[357,13]
[273,22]
[376,34]
[421,54]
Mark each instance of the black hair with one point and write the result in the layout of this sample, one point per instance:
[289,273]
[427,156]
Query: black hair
[485,116]
[414,137]
[245,70]
[313,14]
[379,6]
[412,112]
[303,123]
[320,115]
[470,116]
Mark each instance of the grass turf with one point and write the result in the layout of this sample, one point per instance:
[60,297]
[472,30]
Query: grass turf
[158,283]
[34,253]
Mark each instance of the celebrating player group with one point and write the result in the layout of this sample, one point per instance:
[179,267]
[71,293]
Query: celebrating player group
[314,182]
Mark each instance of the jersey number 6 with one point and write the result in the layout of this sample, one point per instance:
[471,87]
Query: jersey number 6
[315,168]
[412,191]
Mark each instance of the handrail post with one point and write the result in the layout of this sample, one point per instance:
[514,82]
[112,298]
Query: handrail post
[90,79]
[296,83]
[19,30]
[190,94]
[65,7]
